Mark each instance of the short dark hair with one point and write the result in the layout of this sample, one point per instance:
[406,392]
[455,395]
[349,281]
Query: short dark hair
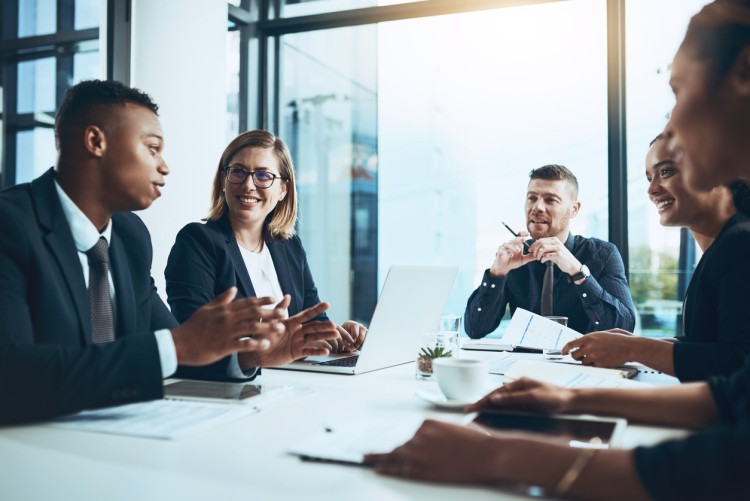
[554,172]
[82,100]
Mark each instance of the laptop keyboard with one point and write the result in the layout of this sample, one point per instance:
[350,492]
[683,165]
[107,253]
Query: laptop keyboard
[342,362]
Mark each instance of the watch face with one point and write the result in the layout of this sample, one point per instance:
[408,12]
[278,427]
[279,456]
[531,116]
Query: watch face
[585,271]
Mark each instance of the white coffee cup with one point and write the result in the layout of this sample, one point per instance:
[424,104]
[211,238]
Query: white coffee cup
[460,378]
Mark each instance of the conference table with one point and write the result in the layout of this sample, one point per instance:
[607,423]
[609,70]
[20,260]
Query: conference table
[246,458]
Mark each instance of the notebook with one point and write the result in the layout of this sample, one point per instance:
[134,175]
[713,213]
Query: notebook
[411,302]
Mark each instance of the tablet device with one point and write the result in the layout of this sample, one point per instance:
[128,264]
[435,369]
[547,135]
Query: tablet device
[581,431]
[216,391]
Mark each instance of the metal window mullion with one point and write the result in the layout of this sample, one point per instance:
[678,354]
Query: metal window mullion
[10,95]
[616,137]
[119,26]
[371,15]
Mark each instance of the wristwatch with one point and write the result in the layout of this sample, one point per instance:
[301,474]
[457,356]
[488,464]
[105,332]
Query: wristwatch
[583,274]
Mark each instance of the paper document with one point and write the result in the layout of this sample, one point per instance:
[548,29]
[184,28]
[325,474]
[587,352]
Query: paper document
[501,364]
[530,330]
[487,345]
[571,376]
[349,442]
[166,419]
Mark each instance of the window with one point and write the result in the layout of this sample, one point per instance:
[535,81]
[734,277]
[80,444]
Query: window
[49,46]
[661,259]
[328,117]
[412,146]
[292,8]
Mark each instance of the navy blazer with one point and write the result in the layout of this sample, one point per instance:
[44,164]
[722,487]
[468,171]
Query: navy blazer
[601,302]
[205,261]
[48,364]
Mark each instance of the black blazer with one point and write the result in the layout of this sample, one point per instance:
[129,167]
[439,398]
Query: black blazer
[717,307]
[48,364]
[205,261]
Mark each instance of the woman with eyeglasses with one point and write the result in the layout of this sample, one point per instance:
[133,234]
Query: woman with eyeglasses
[249,241]
[710,124]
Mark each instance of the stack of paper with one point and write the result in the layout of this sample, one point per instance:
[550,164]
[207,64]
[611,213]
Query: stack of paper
[572,376]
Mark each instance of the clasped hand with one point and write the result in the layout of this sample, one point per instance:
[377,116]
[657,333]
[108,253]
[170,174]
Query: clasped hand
[510,256]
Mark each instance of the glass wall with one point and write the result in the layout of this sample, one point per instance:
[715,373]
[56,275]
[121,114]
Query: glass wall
[414,139]
[659,271]
[292,8]
[465,117]
[328,116]
[37,73]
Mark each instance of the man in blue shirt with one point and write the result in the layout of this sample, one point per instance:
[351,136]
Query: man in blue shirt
[590,287]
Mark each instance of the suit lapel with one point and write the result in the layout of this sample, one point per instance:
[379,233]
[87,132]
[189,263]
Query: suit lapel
[59,241]
[124,295]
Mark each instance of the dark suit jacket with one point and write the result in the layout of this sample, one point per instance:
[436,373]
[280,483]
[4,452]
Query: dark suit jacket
[205,261]
[48,364]
[601,302]
[708,464]
[717,308]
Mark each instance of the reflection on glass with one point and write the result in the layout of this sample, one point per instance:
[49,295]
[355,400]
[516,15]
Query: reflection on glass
[36,85]
[292,8]
[36,17]
[464,118]
[656,278]
[328,103]
[35,151]
[88,14]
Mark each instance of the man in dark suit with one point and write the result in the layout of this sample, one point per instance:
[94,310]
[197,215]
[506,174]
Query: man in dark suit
[588,276]
[79,331]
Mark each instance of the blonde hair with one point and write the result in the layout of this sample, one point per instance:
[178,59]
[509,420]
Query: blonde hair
[280,222]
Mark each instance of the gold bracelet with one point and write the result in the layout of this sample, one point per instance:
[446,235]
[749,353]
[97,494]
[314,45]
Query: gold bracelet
[570,476]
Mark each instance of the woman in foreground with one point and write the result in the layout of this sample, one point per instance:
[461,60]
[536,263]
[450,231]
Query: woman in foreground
[710,124]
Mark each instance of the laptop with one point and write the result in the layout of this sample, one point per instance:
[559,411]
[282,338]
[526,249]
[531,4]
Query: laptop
[411,302]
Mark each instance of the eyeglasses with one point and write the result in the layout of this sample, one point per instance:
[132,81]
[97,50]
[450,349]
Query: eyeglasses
[261,179]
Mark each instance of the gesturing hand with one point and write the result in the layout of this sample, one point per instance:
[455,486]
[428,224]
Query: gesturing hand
[301,338]
[222,327]
[604,349]
[351,337]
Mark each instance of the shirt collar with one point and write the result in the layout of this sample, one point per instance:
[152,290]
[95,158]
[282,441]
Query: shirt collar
[85,234]
[570,242]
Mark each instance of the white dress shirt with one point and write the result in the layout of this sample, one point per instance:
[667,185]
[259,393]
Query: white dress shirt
[85,236]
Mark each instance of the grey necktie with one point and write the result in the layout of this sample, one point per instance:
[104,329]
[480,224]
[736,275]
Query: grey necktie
[548,289]
[100,302]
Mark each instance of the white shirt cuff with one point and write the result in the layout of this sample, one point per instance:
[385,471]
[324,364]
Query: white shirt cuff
[167,352]
[234,371]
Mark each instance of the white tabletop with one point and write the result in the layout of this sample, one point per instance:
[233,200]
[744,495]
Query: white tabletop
[243,459]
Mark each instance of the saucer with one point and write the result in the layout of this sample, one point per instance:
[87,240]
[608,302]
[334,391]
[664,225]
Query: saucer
[437,399]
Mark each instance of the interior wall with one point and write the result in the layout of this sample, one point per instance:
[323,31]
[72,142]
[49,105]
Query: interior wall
[179,57]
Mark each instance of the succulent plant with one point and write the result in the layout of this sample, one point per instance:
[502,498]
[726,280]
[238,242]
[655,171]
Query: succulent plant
[426,356]
[436,352]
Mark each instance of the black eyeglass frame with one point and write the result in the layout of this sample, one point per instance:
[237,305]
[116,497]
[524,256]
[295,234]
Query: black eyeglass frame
[252,174]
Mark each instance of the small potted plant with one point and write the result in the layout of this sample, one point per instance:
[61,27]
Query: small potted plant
[433,347]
